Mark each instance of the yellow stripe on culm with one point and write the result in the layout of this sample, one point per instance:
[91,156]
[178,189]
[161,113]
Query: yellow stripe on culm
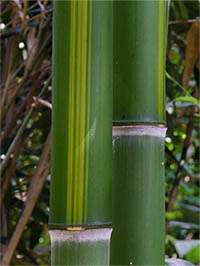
[70,173]
[78,113]
[88,85]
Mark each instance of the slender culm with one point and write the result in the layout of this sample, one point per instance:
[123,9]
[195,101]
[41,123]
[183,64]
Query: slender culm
[138,133]
[80,201]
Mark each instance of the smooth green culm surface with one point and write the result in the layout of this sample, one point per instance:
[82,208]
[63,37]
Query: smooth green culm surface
[88,247]
[139,60]
[82,113]
[138,204]
[138,132]
[80,200]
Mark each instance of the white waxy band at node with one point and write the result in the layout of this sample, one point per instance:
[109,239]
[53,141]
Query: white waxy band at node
[88,235]
[139,130]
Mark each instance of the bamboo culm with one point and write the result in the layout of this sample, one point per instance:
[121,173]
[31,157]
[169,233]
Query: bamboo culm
[80,200]
[138,133]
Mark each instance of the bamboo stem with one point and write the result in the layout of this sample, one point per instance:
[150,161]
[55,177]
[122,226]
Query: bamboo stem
[138,133]
[82,132]
[138,214]
[84,247]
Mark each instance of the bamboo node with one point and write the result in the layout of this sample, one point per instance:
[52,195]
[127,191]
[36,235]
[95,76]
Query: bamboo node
[75,228]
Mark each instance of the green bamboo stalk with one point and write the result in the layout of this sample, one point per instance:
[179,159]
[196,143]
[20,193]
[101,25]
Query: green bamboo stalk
[138,218]
[88,247]
[80,200]
[138,133]
[138,68]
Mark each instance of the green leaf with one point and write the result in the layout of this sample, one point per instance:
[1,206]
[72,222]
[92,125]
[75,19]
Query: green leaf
[194,254]
[188,99]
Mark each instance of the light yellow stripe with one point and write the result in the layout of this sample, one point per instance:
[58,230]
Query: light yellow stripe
[78,153]
[80,112]
[77,108]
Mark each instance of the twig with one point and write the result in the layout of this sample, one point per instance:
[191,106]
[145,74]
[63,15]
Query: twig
[32,196]
[9,173]
[174,190]
[14,142]
[20,131]
[10,125]
[179,38]
[182,166]
[26,76]
[183,21]
[3,227]
[176,83]
[39,101]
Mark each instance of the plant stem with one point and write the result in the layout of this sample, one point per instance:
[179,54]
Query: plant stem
[138,133]
[84,247]
[138,207]
[82,130]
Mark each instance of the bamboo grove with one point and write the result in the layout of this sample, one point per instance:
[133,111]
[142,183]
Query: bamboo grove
[107,188]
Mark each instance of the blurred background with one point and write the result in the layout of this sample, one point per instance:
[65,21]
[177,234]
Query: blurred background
[25,63]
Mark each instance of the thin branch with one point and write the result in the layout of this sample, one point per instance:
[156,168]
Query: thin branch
[15,140]
[36,186]
[183,166]
[9,173]
[172,22]
[25,77]
[20,131]
[39,101]
[175,186]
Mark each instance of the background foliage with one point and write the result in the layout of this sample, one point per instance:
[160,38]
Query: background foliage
[26,33]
